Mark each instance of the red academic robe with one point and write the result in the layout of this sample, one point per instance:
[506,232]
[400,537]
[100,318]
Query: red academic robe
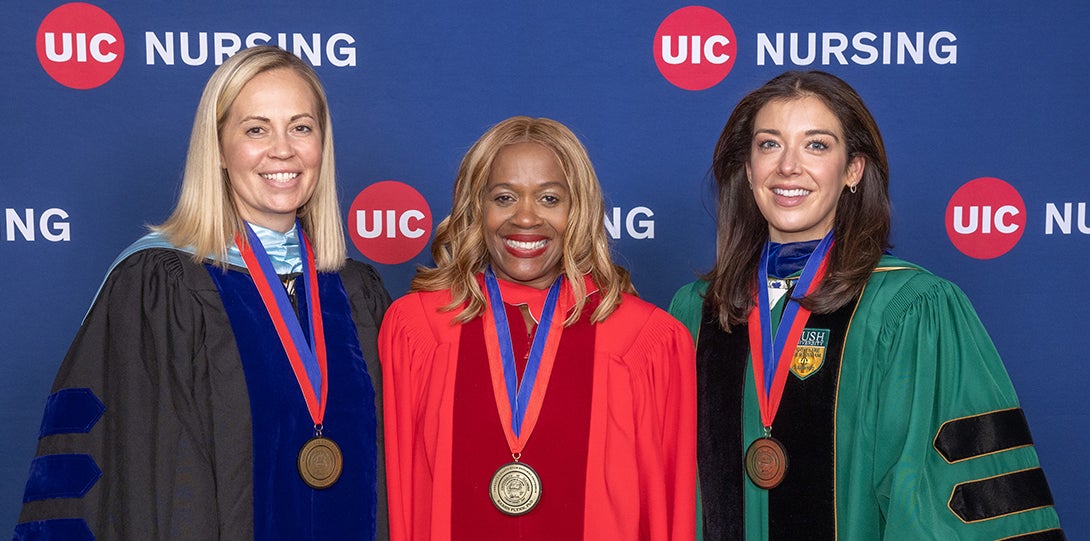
[620,447]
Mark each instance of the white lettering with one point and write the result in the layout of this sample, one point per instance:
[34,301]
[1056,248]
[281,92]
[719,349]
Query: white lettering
[227,45]
[25,226]
[49,223]
[338,50]
[311,52]
[862,48]
[959,223]
[1054,216]
[668,55]
[202,48]
[613,227]
[361,224]
[61,232]
[833,44]
[1063,220]
[811,41]
[863,42]
[81,47]
[646,227]
[51,47]
[154,45]
[985,219]
[765,47]
[709,49]
[257,38]
[1001,225]
[637,229]
[393,224]
[403,224]
[906,45]
[946,54]
[96,48]
[341,56]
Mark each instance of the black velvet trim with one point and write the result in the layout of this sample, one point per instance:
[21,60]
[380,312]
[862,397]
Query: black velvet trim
[979,435]
[1046,535]
[720,375]
[803,505]
[1002,495]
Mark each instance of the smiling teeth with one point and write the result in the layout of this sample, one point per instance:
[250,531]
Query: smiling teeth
[279,177]
[521,245]
[797,192]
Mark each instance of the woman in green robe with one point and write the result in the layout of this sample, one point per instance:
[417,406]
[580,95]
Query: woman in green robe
[842,393]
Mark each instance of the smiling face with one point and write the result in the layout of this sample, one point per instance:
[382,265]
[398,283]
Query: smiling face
[798,166]
[526,204]
[271,146]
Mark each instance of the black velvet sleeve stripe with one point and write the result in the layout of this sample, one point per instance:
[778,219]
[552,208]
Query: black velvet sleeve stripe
[979,435]
[1054,534]
[1001,495]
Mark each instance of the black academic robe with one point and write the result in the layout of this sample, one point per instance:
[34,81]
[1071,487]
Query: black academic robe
[157,427]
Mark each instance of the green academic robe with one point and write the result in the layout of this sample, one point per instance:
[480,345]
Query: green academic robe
[899,421]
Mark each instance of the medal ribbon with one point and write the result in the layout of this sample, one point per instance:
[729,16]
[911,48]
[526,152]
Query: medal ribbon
[772,358]
[307,361]
[518,392]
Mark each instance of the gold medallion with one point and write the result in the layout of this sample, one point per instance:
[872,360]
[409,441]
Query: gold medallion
[766,463]
[515,489]
[320,462]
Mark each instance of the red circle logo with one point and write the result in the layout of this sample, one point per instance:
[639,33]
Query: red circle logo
[695,48]
[389,222]
[80,45]
[985,218]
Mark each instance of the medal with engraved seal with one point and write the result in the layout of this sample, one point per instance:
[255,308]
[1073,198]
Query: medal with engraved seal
[320,462]
[515,488]
[766,462]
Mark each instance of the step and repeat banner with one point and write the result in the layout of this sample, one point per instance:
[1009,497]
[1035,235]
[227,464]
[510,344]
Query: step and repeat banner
[982,105]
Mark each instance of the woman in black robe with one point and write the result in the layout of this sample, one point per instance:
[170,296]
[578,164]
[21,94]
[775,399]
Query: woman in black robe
[225,383]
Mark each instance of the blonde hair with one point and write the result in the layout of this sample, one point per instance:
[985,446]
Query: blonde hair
[459,248]
[205,218]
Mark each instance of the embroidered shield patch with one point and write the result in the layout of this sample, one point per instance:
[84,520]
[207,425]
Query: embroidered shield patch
[810,353]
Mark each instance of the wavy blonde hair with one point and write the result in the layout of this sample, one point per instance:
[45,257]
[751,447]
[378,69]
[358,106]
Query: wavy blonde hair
[459,248]
[205,218]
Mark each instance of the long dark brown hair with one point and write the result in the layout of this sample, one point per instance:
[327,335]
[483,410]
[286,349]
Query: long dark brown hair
[862,222]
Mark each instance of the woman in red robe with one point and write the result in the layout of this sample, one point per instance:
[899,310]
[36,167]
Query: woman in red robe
[529,394]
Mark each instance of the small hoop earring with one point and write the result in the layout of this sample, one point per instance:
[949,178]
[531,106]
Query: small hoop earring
[853,188]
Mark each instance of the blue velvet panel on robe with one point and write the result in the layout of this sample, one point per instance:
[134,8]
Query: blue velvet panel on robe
[284,506]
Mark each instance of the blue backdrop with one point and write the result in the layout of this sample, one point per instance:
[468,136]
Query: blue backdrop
[986,89]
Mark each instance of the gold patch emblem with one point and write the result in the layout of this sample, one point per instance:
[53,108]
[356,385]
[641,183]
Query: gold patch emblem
[810,352]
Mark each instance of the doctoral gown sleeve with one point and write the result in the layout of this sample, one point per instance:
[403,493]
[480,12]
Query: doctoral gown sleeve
[146,434]
[651,393]
[954,458]
[408,349]
[369,300]
[687,306]
[674,378]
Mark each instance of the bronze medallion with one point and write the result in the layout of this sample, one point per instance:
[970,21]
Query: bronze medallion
[766,462]
[320,462]
[515,489]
